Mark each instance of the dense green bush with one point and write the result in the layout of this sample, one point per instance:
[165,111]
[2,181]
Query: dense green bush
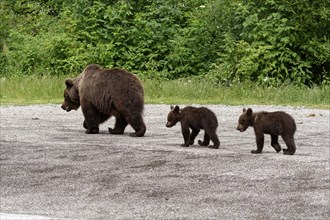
[269,42]
[274,41]
[35,40]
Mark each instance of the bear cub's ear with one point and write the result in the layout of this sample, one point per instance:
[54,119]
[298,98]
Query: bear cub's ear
[249,111]
[176,108]
[69,83]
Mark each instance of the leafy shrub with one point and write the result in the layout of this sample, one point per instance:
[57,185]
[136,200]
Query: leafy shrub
[277,41]
[269,42]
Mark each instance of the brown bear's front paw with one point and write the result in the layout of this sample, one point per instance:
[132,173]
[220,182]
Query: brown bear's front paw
[255,152]
[113,131]
[184,145]
[202,143]
[92,131]
[191,142]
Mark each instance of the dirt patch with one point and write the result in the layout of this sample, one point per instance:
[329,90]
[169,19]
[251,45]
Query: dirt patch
[50,167]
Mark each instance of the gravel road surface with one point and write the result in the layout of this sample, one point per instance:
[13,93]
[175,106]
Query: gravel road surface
[51,169]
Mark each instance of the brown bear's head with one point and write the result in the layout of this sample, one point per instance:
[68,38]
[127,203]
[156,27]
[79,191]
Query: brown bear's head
[173,116]
[245,120]
[71,96]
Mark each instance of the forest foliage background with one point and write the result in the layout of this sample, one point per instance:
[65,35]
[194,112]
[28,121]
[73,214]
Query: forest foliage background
[269,42]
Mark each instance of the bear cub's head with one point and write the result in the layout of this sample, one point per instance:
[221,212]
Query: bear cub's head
[71,96]
[245,120]
[173,116]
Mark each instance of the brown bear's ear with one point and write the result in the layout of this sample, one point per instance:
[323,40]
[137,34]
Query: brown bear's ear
[172,107]
[69,83]
[244,110]
[249,111]
[177,109]
[92,67]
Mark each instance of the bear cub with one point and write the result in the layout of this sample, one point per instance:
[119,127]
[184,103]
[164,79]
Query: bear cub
[273,123]
[195,119]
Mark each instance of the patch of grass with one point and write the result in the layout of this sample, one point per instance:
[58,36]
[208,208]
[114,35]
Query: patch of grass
[31,90]
[195,92]
[36,90]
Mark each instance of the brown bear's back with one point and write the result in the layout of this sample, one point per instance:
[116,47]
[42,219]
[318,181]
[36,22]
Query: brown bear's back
[108,88]
[276,123]
[198,117]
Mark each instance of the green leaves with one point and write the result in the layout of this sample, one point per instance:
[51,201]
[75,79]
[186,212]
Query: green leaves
[277,42]
[225,41]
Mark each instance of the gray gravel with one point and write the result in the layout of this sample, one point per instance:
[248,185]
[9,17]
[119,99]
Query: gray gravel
[51,168]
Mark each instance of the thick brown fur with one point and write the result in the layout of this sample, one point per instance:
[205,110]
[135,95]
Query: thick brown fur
[273,123]
[103,93]
[195,119]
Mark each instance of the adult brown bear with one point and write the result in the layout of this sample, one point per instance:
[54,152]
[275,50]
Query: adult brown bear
[273,123]
[103,93]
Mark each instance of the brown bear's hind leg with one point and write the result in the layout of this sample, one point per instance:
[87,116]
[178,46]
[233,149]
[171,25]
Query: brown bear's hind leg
[206,140]
[193,135]
[211,134]
[289,141]
[137,124]
[275,143]
[120,126]
[216,143]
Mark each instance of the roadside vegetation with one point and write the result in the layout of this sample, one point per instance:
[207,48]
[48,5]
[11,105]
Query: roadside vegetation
[190,51]
[33,90]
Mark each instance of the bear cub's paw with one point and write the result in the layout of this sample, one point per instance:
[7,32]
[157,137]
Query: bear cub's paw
[277,148]
[202,143]
[114,131]
[85,125]
[287,152]
[213,147]
[92,131]
[139,133]
[255,152]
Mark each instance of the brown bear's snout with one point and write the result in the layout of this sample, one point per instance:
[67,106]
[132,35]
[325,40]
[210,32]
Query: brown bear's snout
[169,124]
[66,107]
[240,128]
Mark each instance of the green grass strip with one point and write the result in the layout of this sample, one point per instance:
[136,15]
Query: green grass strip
[42,90]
